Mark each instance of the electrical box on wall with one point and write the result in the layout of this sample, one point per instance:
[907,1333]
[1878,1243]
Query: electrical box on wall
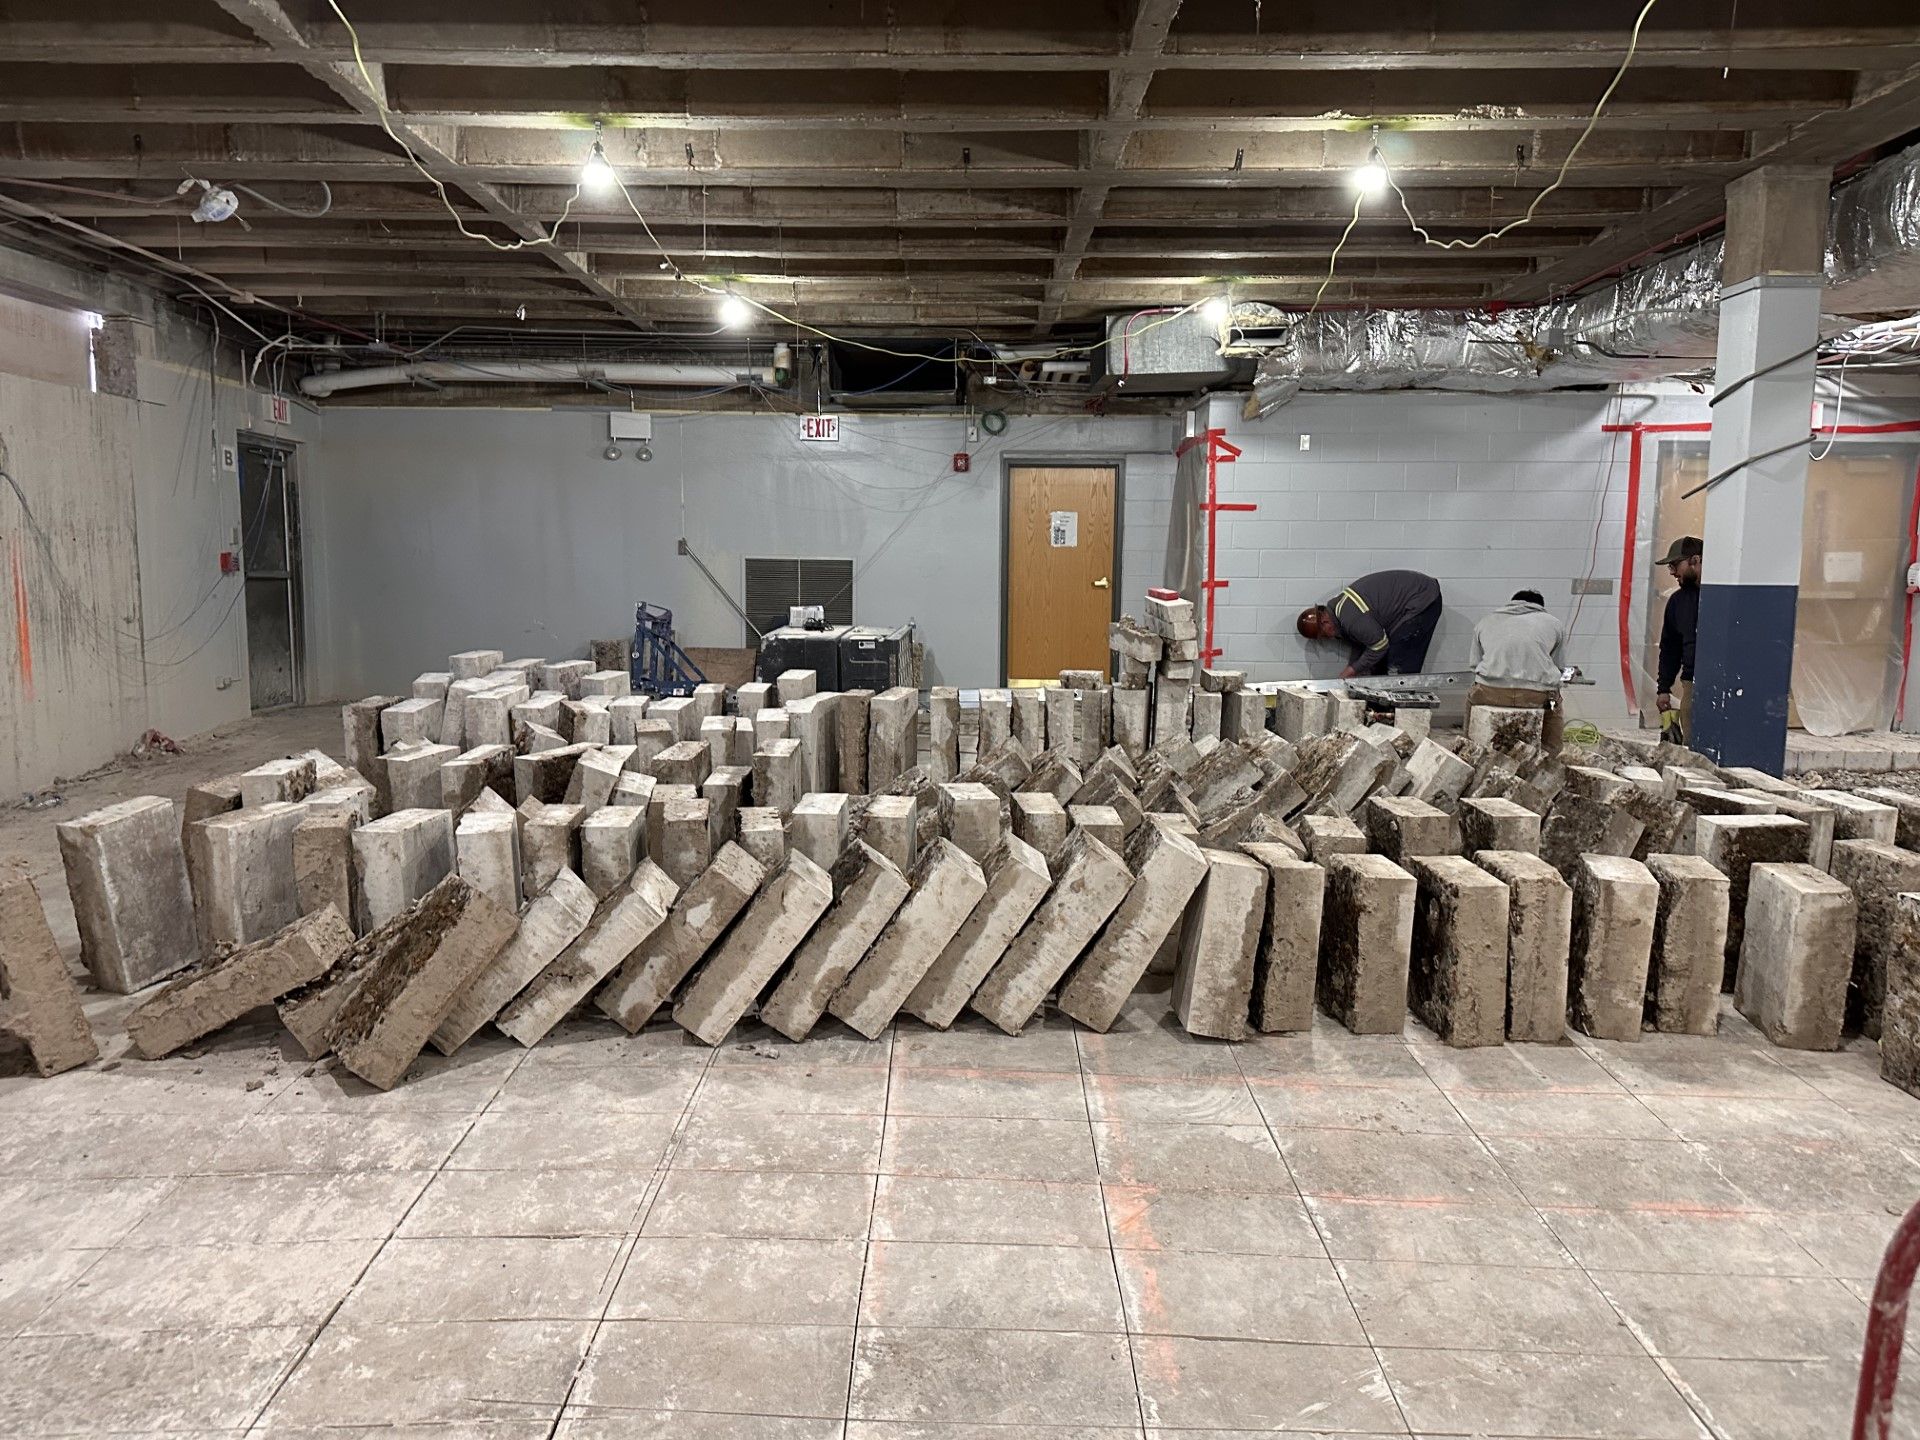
[624,425]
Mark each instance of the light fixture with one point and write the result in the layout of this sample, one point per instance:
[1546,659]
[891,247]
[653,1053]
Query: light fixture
[643,452]
[734,312]
[596,176]
[1371,178]
[612,452]
[216,202]
[1216,311]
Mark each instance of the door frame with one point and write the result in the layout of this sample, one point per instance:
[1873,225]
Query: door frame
[1053,460]
[294,503]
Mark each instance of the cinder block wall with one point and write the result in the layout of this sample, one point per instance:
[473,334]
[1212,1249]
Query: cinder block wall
[1490,494]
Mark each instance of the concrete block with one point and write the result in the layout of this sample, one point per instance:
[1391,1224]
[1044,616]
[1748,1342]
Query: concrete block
[464,776]
[724,791]
[323,865]
[779,775]
[946,885]
[687,762]
[657,813]
[488,715]
[1906,807]
[1063,717]
[1491,823]
[1172,619]
[686,838]
[943,733]
[398,858]
[852,717]
[1103,822]
[1735,844]
[753,697]
[1243,715]
[678,712]
[594,775]
[1857,818]
[472,664]
[249,890]
[217,992]
[818,828]
[549,843]
[1402,828]
[411,722]
[620,924]
[1130,719]
[1041,821]
[39,1001]
[542,708]
[1220,777]
[415,971]
[1877,873]
[1689,944]
[1091,882]
[1642,777]
[360,732]
[1286,966]
[763,834]
[1172,712]
[868,889]
[1030,718]
[1168,867]
[565,676]
[814,721]
[970,817]
[1615,899]
[1900,1015]
[1366,938]
[1436,775]
[1796,955]
[1329,835]
[635,789]
[1053,774]
[1213,978]
[486,848]
[1458,973]
[648,978]
[891,826]
[1299,713]
[1092,724]
[413,775]
[1206,714]
[1576,827]
[1339,771]
[1416,723]
[623,714]
[797,685]
[709,699]
[791,901]
[1502,727]
[996,718]
[893,736]
[613,841]
[651,738]
[287,781]
[1017,880]
[610,683]
[1820,821]
[1539,941]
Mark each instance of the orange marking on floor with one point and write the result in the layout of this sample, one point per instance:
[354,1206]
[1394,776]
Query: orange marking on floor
[1157,1352]
[22,626]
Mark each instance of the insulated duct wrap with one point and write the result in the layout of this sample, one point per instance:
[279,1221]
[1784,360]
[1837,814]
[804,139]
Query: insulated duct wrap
[1662,320]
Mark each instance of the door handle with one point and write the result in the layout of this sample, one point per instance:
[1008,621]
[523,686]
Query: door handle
[1101,583]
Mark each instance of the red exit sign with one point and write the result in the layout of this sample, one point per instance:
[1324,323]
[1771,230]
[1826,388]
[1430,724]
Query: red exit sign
[823,428]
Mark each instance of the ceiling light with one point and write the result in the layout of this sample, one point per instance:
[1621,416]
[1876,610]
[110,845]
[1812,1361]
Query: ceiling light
[216,203]
[1216,311]
[596,176]
[1371,178]
[734,312]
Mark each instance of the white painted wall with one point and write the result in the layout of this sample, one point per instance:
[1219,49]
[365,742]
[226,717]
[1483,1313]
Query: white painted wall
[432,530]
[129,623]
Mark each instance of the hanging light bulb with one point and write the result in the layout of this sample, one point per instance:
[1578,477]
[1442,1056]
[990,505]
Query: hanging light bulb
[1371,178]
[734,312]
[1216,311]
[596,176]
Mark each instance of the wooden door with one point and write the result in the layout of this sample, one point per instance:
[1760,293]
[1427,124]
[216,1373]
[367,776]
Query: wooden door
[1061,569]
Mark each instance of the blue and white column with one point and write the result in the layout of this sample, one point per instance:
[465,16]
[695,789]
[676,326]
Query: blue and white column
[1770,283]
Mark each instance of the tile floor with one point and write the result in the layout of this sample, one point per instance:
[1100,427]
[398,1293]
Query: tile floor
[956,1235]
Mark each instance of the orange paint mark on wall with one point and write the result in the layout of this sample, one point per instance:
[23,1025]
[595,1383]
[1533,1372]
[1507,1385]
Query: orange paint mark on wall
[22,627]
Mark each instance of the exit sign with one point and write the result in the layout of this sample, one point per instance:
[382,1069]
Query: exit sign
[823,428]
[281,411]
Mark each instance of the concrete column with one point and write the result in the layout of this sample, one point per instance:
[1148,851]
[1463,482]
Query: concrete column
[1769,313]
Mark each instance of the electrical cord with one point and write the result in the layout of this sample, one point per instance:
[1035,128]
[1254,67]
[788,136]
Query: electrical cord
[1729,391]
[326,201]
[1738,466]
[1334,259]
[1566,165]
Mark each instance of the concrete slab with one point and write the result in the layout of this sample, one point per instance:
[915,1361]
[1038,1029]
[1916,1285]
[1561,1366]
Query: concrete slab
[868,890]
[791,901]
[39,1001]
[1539,941]
[703,911]
[1090,883]
[620,924]
[1458,976]
[1689,944]
[1366,939]
[946,885]
[1615,899]
[1796,955]
[1168,868]
[1213,979]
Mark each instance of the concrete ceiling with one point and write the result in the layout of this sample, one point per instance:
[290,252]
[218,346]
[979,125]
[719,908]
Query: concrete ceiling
[1012,166]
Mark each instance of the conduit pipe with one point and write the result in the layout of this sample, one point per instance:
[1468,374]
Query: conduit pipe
[533,372]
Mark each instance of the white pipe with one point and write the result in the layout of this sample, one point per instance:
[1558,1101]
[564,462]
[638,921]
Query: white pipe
[521,372]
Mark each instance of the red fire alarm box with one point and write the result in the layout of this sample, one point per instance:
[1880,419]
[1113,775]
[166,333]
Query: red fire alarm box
[229,562]
[962,462]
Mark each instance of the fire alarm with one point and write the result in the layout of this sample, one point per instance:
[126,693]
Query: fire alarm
[229,562]
[962,462]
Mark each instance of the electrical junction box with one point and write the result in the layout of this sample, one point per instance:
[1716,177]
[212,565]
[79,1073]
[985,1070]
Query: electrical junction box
[624,425]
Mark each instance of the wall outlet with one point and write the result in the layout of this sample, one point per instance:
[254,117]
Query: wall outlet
[1306,442]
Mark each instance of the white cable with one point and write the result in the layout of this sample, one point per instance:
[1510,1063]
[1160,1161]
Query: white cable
[1839,405]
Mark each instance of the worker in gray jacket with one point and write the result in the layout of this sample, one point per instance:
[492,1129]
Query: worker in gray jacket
[1519,655]
[1388,618]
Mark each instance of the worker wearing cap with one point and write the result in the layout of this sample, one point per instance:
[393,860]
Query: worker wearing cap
[1519,654]
[1388,617]
[1678,629]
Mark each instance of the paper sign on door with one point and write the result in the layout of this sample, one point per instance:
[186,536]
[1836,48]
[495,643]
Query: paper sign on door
[1064,532]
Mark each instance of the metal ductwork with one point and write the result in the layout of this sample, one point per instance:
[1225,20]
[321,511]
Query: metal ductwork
[1662,320]
[532,372]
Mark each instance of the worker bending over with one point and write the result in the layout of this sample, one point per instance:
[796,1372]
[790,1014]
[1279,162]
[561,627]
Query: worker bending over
[1519,653]
[1388,617]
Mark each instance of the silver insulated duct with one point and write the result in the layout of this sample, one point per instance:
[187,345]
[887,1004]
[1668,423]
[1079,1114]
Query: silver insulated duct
[1662,320]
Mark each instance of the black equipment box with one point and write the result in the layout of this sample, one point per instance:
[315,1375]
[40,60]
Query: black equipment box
[791,648]
[872,659]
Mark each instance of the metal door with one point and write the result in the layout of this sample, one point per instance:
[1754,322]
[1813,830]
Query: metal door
[270,563]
